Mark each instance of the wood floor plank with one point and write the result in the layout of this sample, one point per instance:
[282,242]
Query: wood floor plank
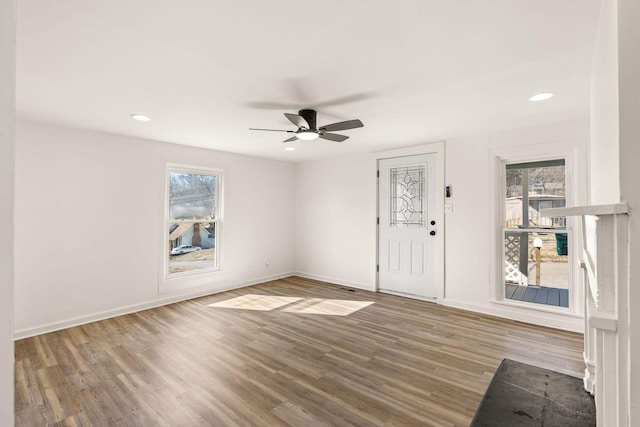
[287,352]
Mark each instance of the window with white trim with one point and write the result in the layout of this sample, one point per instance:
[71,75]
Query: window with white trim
[536,249]
[192,221]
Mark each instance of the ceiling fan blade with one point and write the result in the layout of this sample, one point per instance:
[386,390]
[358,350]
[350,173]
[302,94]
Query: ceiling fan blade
[334,137]
[274,130]
[293,138]
[297,120]
[349,124]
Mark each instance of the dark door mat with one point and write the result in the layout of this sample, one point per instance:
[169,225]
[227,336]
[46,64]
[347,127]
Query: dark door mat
[525,395]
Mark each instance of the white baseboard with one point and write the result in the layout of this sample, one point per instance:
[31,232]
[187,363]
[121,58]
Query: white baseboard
[82,320]
[335,281]
[567,322]
[406,295]
[573,323]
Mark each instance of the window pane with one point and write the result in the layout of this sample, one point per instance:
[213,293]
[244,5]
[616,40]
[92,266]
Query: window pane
[191,246]
[408,198]
[191,196]
[531,189]
[536,267]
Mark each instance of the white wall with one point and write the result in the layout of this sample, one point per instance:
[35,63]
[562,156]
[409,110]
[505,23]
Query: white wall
[604,148]
[336,220]
[629,86]
[472,246]
[89,222]
[7,119]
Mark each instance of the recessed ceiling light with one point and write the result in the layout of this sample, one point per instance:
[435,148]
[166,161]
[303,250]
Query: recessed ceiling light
[140,117]
[541,96]
[290,148]
[307,135]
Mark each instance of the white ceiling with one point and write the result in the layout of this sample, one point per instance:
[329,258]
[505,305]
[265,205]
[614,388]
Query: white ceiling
[414,71]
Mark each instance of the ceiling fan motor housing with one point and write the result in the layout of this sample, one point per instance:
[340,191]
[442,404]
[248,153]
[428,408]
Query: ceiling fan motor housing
[310,117]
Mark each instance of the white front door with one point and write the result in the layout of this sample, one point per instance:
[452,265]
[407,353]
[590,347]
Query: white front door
[408,230]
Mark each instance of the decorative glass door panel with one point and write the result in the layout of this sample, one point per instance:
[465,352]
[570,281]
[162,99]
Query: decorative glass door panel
[408,203]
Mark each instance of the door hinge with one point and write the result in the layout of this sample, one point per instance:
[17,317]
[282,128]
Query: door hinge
[378,220]
[378,174]
[378,268]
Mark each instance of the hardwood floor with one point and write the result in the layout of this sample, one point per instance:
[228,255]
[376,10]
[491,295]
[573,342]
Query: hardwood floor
[276,354]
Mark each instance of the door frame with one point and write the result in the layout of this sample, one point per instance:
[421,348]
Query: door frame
[437,148]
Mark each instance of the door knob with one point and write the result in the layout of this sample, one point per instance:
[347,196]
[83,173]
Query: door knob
[432,232]
[433,223]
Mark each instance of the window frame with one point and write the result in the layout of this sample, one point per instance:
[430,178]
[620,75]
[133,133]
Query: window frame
[529,163]
[572,154]
[180,280]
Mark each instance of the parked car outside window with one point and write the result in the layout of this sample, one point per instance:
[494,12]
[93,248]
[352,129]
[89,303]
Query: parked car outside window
[183,249]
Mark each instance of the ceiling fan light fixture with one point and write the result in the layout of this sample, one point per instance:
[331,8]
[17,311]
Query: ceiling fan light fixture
[307,135]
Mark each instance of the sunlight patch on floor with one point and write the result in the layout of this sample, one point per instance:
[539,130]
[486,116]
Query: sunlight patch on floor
[255,302]
[330,307]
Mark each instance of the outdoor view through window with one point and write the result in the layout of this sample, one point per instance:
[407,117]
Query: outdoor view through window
[192,222]
[536,248]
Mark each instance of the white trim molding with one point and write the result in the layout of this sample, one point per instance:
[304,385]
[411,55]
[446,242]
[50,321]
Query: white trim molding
[82,320]
[170,282]
[336,281]
[574,154]
[542,315]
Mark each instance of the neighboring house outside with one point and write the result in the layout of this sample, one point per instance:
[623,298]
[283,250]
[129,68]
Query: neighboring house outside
[536,203]
[192,234]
